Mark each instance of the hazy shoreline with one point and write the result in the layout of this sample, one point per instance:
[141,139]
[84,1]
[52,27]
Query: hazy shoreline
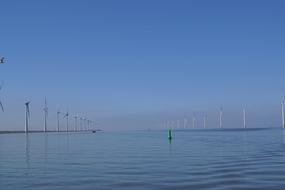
[15,132]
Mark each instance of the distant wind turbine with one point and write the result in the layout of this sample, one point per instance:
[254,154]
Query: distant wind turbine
[205,121]
[85,123]
[185,123]
[75,124]
[88,124]
[66,116]
[1,105]
[282,112]
[244,118]
[80,124]
[194,121]
[45,115]
[178,124]
[27,117]
[57,115]
[221,116]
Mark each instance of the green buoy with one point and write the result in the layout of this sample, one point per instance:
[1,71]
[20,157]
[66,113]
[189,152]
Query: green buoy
[169,134]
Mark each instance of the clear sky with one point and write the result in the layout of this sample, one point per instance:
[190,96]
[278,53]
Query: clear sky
[133,64]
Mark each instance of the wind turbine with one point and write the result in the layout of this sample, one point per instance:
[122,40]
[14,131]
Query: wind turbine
[85,126]
[81,123]
[221,117]
[75,125]
[185,123]
[282,112]
[66,116]
[178,124]
[57,114]
[193,120]
[1,105]
[168,124]
[27,116]
[244,117]
[88,124]
[205,120]
[45,115]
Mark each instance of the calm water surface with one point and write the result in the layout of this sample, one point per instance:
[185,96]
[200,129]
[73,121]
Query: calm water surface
[211,159]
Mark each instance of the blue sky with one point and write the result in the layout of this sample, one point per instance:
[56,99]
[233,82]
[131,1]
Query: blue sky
[133,64]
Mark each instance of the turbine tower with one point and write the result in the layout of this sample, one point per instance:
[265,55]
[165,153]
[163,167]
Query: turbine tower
[57,115]
[75,125]
[244,118]
[205,121]
[282,112]
[85,126]
[45,115]
[66,116]
[178,124]
[1,105]
[88,124]
[194,121]
[185,123]
[221,117]
[27,117]
[80,124]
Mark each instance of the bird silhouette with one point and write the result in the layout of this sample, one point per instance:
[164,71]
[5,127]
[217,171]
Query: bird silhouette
[2,60]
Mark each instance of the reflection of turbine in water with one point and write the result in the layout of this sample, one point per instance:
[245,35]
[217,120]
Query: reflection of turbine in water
[27,150]
[27,121]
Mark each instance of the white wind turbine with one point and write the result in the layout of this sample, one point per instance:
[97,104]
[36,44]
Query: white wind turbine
[244,117]
[85,123]
[75,124]
[66,116]
[57,115]
[194,121]
[45,115]
[27,121]
[282,112]
[1,105]
[205,120]
[185,123]
[80,123]
[221,116]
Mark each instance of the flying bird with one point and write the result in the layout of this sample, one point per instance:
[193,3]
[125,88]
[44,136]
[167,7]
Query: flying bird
[2,60]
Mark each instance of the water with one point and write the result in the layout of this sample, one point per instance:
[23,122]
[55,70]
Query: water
[213,159]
